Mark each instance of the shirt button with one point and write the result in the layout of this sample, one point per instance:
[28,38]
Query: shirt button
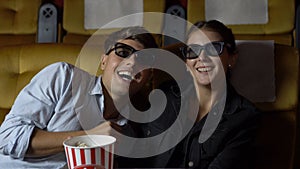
[148,132]
[215,113]
[191,164]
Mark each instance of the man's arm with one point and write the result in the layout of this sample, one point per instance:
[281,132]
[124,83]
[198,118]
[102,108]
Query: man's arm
[46,143]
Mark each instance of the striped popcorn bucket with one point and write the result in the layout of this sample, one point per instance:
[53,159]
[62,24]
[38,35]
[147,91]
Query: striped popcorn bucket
[90,152]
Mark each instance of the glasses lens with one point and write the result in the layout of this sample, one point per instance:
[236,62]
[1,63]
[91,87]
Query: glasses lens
[123,50]
[145,58]
[192,51]
[214,48]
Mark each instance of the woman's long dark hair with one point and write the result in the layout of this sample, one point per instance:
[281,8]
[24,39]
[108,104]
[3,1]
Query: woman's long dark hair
[220,28]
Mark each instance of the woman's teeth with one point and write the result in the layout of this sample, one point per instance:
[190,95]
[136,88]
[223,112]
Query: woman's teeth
[204,69]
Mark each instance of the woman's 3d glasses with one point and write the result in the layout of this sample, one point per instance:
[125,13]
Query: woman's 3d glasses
[192,51]
[122,50]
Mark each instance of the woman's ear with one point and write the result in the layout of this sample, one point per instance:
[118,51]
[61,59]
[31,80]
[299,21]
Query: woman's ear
[233,59]
[103,61]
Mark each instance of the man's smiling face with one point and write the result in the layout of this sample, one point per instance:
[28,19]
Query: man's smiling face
[120,73]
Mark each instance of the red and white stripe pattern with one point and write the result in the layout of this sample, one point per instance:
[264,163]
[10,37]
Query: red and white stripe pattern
[90,158]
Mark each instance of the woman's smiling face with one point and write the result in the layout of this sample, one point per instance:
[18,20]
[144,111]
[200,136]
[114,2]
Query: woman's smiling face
[205,68]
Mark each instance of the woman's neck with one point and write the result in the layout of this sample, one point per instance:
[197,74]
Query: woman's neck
[208,97]
[204,95]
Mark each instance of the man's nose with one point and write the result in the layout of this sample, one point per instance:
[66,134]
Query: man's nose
[130,60]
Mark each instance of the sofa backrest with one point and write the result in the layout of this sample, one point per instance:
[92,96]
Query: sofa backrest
[19,19]
[276,141]
[279,26]
[19,63]
[76,33]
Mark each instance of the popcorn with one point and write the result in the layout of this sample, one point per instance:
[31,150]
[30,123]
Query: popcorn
[81,144]
[90,151]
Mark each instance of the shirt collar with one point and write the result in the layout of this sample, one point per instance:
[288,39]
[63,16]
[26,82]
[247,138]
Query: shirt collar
[97,88]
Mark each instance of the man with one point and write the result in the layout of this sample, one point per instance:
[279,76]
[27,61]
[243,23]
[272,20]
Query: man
[63,101]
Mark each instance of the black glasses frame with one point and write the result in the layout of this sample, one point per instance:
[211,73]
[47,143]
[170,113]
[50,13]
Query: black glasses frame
[119,45]
[144,58]
[193,51]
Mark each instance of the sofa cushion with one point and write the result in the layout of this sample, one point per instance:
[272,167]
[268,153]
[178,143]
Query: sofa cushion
[279,23]
[20,63]
[19,20]
[73,22]
[286,80]
[20,16]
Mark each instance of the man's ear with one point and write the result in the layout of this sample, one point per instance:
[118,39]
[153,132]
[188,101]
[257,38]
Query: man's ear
[103,61]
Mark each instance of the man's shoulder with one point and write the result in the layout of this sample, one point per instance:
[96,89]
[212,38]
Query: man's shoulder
[60,66]
[53,71]
[63,69]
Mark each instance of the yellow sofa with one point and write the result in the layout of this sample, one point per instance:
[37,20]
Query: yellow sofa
[276,141]
[19,63]
[19,20]
[73,21]
[280,26]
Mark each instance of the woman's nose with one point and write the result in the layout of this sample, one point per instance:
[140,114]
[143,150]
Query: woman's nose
[202,56]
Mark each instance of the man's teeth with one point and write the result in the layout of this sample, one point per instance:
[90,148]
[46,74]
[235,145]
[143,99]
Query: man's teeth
[204,69]
[126,75]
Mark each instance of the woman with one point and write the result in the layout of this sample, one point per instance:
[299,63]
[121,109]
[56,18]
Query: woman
[225,123]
